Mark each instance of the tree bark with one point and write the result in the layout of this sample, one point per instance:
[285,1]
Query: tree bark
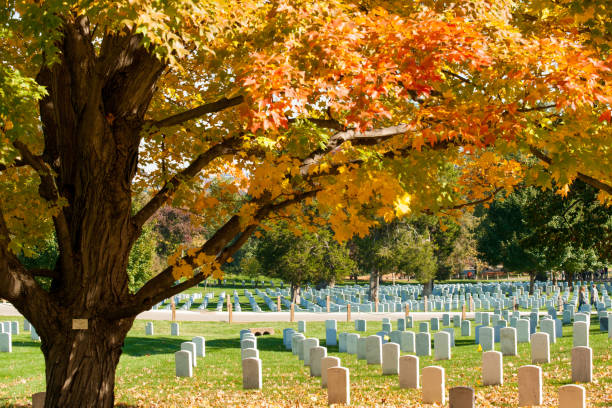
[295,293]
[532,276]
[428,288]
[81,364]
[374,285]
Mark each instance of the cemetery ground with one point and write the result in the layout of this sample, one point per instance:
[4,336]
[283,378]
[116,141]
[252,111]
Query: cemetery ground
[146,372]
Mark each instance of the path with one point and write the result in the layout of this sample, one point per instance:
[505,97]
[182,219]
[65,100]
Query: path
[6,309]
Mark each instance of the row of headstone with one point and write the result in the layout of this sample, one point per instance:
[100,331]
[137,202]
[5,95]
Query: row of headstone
[11,327]
[186,359]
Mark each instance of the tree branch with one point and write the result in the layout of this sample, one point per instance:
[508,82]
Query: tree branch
[16,284]
[49,191]
[226,147]
[196,112]
[598,184]
[489,197]
[17,163]
[366,138]
[223,244]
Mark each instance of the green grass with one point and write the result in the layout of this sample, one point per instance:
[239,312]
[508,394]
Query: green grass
[145,375]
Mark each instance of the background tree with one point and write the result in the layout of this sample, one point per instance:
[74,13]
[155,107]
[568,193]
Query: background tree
[140,264]
[536,231]
[173,227]
[354,109]
[305,257]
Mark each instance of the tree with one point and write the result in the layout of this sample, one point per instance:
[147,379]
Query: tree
[354,109]
[395,247]
[140,262]
[537,231]
[300,259]
[173,228]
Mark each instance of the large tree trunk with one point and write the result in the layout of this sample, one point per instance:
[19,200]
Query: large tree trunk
[532,276]
[81,364]
[92,118]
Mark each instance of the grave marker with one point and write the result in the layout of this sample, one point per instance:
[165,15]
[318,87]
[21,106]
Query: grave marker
[540,348]
[374,350]
[492,368]
[461,397]
[38,400]
[191,347]
[433,385]
[307,345]
[326,363]
[530,385]
[338,386]
[351,343]
[508,341]
[487,338]
[183,362]
[200,343]
[572,396]
[6,343]
[390,358]
[409,372]
[582,364]
[442,346]
[422,344]
[362,347]
[316,355]
[248,353]
[251,374]
[581,334]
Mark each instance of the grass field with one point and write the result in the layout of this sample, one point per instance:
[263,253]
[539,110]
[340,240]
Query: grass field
[145,376]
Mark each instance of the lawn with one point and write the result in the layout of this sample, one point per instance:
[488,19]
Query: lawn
[145,376]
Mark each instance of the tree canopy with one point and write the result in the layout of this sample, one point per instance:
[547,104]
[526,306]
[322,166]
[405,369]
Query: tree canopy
[360,109]
[538,231]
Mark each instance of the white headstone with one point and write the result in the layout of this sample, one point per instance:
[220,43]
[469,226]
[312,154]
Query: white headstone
[572,396]
[338,385]
[409,372]
[251,374]
[492,368]
[308,344]
[507,337]
[183,363]
[540,348]
[442,347]
[6,343]
[200,343]
[390,358]
[374,350]
[581,334]
[316,355]
[327,362]
[530,384]
[433,385]
[249,353]
[191,347]
[582,364]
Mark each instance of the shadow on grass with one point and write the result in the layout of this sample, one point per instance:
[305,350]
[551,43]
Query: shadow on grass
[4,405]
[143,346]
[26,344]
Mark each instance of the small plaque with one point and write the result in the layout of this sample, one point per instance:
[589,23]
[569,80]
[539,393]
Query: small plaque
[79,324]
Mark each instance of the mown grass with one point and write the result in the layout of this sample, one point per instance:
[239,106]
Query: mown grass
[145,375]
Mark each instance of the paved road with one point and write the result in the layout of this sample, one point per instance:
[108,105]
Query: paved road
[6,309]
